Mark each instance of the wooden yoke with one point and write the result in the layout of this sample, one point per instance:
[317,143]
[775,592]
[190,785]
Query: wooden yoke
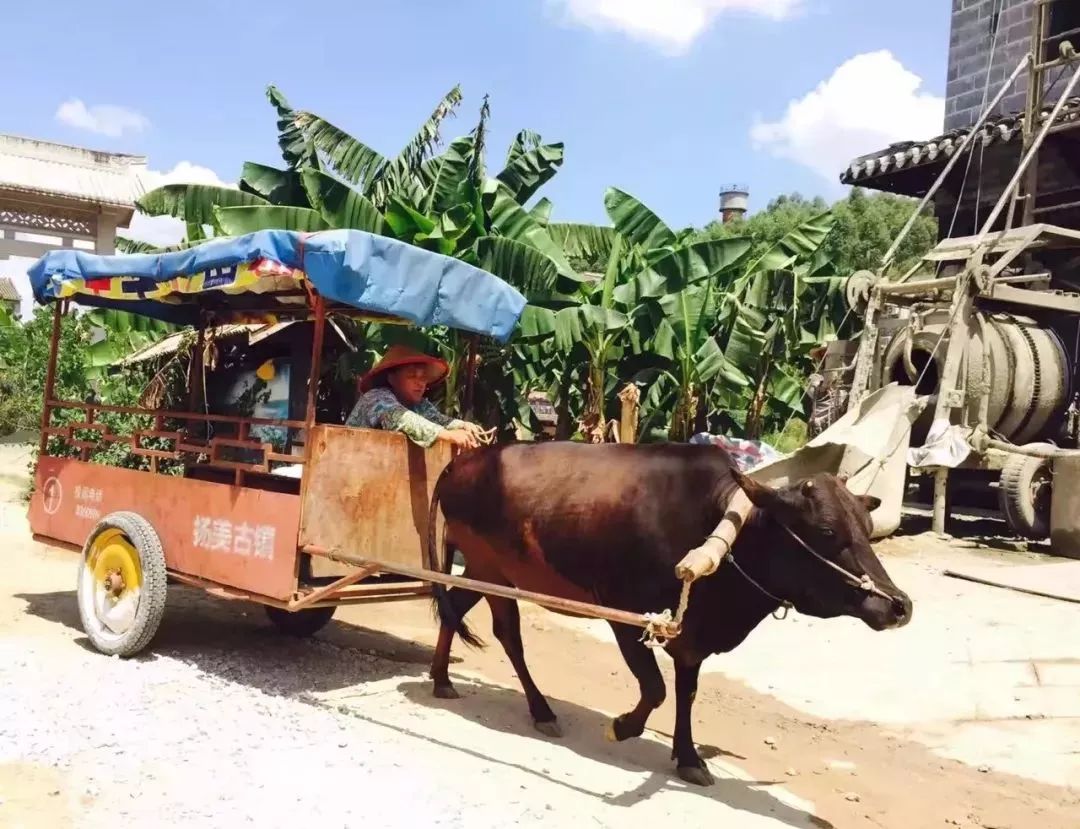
[706,559]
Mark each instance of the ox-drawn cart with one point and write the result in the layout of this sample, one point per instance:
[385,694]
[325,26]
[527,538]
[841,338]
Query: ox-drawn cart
[334,516]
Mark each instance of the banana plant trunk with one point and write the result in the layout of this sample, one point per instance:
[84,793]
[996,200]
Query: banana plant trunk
[592,420]
[630,409]
[564,423]
[682,419]
[755,414]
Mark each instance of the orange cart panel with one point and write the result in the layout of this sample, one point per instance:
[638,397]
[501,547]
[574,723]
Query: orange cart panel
[235,536]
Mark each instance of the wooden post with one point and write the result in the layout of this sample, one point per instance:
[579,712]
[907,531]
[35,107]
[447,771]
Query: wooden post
[50,376]
[1036,97]
[315,370]
[195,367]
[630,407]
[470,379]
[941,489]
[950,392]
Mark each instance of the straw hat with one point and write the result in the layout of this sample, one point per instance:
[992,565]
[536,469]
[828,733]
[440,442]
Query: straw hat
[401,355]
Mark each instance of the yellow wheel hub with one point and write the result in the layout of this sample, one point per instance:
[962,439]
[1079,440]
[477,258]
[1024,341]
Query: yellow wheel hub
[115,563]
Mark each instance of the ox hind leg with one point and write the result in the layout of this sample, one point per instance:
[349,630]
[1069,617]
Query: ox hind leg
[642,663]
[460,602]
[506,625]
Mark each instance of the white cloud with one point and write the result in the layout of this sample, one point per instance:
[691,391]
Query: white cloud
[671,25]
[104,119]
[165,230]
[868,103]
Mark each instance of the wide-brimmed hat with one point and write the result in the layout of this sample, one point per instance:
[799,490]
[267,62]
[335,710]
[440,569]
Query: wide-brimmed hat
[401,355]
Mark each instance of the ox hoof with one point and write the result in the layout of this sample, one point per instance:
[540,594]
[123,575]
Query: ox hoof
[696,775]
[447,691]
[549,729]
[617,729]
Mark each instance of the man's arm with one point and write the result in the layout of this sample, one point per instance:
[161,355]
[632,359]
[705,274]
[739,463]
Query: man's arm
[432,413]
[382,410]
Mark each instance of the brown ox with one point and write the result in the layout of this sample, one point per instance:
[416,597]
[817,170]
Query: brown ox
[607,525]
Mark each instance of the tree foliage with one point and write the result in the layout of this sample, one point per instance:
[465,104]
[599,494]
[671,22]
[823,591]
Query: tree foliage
[865,225]
[714,326]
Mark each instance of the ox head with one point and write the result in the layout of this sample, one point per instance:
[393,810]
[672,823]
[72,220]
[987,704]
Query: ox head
[835,523]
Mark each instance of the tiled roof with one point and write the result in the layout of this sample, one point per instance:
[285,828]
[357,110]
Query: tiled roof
[7,291]
[911,154]
[71,172]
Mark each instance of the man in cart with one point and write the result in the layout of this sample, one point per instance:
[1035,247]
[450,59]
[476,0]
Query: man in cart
[393,397]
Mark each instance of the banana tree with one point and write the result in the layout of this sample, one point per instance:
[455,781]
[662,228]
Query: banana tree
[618,319]
[785,302]
[441,201]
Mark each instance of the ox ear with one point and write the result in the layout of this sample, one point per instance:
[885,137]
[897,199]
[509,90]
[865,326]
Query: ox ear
[760,495]
[869,501]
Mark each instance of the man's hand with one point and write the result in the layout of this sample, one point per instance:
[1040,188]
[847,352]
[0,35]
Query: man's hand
[472,428]
[463,438]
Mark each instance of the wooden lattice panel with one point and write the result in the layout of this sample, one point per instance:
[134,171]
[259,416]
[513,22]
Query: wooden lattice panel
[60,223]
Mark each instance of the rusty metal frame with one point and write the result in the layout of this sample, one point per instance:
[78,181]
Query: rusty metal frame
[304,600]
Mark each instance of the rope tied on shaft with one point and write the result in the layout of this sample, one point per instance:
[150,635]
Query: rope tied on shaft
[661,628]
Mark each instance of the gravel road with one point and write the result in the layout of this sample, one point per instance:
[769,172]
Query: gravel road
[966,718]
[233,725]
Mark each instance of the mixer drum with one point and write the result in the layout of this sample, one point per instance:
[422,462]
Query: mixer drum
[1027,373]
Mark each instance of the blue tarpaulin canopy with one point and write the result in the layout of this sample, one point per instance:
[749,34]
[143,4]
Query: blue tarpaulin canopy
[264,273]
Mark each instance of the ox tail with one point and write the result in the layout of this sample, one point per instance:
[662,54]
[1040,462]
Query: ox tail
[442,602]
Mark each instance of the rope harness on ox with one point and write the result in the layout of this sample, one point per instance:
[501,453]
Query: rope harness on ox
[661,628]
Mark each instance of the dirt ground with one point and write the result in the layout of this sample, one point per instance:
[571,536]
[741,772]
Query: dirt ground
[968,717]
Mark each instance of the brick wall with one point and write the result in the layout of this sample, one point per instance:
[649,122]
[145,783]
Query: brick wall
[970,46]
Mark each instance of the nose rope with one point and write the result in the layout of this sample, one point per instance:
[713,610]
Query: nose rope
[782,612]
[863,582]
[661,628]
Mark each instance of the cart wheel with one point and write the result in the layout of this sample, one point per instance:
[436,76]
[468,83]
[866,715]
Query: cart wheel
[300,622]
[1024,494]
[121,590]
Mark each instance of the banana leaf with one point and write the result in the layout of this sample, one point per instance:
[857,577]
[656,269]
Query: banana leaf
[194,203]
[297,151]
[529,165]
[275,186]
[524,267]
[339,205]
[236,221]
[636,222]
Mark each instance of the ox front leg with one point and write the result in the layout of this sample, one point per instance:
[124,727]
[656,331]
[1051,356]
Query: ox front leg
[506,624]
[642,663]
[691,767]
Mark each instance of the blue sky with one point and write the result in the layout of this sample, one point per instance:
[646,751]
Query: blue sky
[667,99]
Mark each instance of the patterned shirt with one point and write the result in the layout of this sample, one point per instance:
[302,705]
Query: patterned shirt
[380,409]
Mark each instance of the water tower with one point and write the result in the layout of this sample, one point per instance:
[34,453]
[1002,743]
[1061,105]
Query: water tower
[734,199]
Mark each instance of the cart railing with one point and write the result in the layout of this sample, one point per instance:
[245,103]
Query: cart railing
[90,434]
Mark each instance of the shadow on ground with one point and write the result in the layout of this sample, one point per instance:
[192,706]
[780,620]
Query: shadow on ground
[979,528]
[233,642]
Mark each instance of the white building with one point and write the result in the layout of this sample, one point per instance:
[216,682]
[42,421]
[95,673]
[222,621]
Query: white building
[59,196]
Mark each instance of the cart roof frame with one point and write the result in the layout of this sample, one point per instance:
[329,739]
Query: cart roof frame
[272,275]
